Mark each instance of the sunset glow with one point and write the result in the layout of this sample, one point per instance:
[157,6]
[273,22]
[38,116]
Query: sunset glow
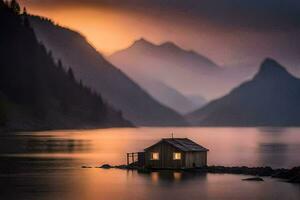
[110,30]
[149,99]
[226,38]
[105,29]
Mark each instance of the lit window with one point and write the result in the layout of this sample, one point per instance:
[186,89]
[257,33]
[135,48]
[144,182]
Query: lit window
[176,156]
[155,156]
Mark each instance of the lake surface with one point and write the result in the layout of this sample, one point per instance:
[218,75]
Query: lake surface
[47,165]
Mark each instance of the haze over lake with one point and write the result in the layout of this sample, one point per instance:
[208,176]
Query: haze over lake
[47,165]
[149,100]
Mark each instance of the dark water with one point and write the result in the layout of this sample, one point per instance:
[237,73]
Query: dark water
[47,165]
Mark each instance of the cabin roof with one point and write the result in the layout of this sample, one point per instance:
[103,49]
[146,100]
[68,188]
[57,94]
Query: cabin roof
[183,144]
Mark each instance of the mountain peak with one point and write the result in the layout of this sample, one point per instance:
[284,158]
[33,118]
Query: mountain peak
[142,42]
[169,45]
[271,64]
[272,69]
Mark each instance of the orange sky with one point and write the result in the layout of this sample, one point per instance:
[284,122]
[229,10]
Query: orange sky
[112,28]
[105,29]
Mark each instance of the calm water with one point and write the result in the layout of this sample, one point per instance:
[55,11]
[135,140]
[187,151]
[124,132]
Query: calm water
[47,165]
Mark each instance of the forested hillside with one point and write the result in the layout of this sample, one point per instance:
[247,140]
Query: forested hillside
[35,91]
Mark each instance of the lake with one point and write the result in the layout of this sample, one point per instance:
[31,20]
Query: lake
[47,165]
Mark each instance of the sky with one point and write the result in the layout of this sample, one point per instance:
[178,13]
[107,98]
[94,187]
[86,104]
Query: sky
[230,32]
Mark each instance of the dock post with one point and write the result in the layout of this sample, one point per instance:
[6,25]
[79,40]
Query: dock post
[127,158]
[132,157]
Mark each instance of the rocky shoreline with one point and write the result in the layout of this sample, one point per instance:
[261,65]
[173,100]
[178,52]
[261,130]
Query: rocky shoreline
[290,175]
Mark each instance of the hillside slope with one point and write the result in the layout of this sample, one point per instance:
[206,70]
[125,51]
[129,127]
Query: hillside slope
[271,98]
[36,92]
[186,71]
[93,70]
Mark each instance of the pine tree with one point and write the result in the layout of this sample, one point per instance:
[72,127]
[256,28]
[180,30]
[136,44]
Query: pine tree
[59,64]
[25,18]
[46,95]
[81,84]
[2,4]
[24,11]
[15,6]
[71,74]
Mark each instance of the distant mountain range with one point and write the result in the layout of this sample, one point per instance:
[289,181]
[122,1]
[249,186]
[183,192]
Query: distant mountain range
[38,93]
[172,98]
[167,51]
[185,71]
[93,70]
[52,78]
[271,98]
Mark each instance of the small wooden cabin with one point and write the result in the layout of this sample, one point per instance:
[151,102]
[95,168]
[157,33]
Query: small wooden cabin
[175,153]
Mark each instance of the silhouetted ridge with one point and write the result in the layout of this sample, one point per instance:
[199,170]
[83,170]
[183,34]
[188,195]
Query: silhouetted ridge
[142,43]
[37,92]
[271,98]
[172,48]
[270,69]
[166,51]
[95,71]
[169,45]
[151,65]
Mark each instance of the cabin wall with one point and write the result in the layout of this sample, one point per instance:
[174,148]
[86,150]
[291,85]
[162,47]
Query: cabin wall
[141,159]
[165,157]
[195,159]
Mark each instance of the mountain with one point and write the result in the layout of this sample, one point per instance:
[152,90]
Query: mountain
[186,71]
[171,97]
[37,93]
[197,100]
[271,98]
[93,70]
[170,52]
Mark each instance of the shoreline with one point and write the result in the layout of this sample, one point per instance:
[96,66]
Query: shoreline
[291,175]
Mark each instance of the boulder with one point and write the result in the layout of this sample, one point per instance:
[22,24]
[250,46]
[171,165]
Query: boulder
[106,166]
[253,179]
[85,166]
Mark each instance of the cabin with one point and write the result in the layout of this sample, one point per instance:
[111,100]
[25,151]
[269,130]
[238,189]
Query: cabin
[175,153]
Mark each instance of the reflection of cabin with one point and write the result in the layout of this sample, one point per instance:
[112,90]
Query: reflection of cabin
[175,153]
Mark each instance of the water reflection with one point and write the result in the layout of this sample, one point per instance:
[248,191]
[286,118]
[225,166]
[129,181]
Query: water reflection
[35,178]
[24,175]
[277,147]
[57,145]
[166,176]
[43,144]
[273,130]
[274,147]
[273,154]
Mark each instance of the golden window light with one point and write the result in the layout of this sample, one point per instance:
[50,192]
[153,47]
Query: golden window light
[176,156]
[154,156]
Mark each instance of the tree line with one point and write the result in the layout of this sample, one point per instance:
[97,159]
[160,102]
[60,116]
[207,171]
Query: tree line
[39,89]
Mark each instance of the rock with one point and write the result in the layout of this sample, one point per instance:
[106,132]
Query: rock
[295,179]
[253,179]
[282,173]
[85,166]
[291,175]
[131,167]
[106,166]
[255,171]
